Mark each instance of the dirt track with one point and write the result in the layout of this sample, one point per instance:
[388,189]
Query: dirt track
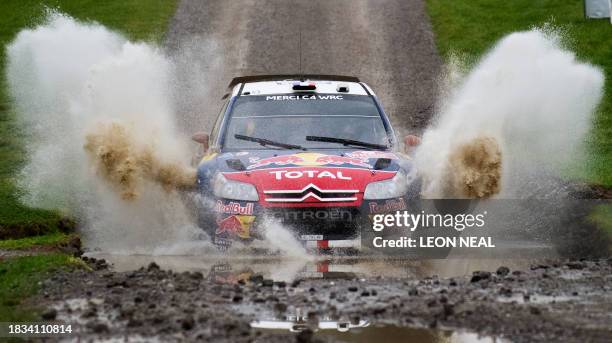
[547,302]
[387,43]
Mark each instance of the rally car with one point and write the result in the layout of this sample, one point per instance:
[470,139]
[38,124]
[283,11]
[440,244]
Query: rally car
[315,153]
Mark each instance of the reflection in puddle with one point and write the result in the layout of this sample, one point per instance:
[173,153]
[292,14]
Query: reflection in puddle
[288,269]
[301,323]
[520,298]
[392,333]
[364,331]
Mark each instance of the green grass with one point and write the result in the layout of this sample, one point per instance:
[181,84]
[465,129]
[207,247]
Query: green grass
[137,19]
[602,217]
[468,28]
[50,239]
[19,279]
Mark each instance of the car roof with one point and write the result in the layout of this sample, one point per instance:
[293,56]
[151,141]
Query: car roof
[280,77]
[283,84]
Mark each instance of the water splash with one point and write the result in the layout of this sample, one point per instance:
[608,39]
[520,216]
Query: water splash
[532,98]
[120,160]
[100,128]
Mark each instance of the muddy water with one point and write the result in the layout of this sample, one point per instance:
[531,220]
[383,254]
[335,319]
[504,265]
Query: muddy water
[330,298]
[347,332]
[291,269]
[126,163]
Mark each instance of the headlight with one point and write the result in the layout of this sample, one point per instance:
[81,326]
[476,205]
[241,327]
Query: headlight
[388,189]
[235,190]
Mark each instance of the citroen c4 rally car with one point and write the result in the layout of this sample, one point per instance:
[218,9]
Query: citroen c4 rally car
[315,153]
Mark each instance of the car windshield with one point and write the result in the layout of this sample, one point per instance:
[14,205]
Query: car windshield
[290,118]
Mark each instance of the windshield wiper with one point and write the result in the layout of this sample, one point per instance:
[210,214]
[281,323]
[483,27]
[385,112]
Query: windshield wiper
[264,142]
[345,142]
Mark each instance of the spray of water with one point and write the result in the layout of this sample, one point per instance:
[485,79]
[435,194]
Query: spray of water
[126,165]
[520,115]
[280,240]
[99,116]
[100,130]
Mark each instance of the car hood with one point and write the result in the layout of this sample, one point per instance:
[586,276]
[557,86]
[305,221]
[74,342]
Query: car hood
[304,178]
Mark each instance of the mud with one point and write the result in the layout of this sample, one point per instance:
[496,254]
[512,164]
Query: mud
[595,191]
[475,169]
[127,164]
[548,301]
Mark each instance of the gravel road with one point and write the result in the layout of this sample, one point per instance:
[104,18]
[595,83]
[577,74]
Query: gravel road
[389,44]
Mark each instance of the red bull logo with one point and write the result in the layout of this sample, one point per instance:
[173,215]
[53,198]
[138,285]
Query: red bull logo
[310,159]
[276,160]
[336,160]
[235,225]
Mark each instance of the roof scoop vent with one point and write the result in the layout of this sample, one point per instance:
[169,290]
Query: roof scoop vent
[342,88]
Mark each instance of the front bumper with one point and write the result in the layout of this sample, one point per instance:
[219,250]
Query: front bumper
[316,227]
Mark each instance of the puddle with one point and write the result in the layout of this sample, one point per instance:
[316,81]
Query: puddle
[364,331]
[334,328]
[71,310]
[520,298]
[290,269]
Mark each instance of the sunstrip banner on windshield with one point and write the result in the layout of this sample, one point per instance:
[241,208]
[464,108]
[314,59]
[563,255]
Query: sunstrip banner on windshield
[305,97]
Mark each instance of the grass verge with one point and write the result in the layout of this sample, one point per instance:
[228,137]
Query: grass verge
[470,27]
[49,240]
[602,217]
[137,19]
[19,278]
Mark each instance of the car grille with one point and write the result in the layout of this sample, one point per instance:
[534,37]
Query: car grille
[311,192]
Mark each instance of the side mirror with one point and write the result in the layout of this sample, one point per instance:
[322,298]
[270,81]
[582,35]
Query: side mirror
[201,138]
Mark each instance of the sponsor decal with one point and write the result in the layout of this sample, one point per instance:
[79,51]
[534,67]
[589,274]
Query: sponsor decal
[235,225]
[333,214]
[276,160]
[318,174]
[304,97]
[391,205]
[336,160]
[309,159]
[234,208]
